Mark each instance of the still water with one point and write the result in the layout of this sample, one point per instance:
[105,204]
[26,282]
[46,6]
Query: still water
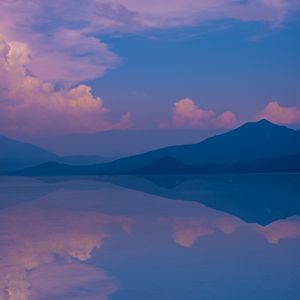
[130,238]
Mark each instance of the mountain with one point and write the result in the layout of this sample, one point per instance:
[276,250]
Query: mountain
[171,166]
[251,141]
[235,151]
[283,164]
[16,155]
[166,166]
[79,160]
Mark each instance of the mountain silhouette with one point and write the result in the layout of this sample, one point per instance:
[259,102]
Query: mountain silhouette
[166,165]
[251,141]
[16,155]
[256,143]
[169,165]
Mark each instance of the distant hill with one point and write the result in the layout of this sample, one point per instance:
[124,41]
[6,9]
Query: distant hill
[166,166]
[251,141]
[171,166]
[16,155]
[254,147]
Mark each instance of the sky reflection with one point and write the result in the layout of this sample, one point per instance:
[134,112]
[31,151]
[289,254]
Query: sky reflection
[81,247]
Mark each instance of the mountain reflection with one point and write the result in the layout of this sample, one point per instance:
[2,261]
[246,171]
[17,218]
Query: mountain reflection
[63,244]
[254,198]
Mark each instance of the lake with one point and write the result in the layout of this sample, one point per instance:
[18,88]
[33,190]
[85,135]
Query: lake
[141,238]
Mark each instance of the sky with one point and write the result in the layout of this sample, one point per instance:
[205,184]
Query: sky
[100,65]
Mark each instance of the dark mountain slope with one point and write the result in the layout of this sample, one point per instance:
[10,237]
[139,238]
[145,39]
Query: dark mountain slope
[253,144]
[15,154]
[251,141]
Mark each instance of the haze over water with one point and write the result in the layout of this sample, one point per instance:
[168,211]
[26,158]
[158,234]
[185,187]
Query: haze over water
[150,238]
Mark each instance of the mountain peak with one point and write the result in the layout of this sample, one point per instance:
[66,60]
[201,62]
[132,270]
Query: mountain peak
[262,126]
[265,121]
[262,122]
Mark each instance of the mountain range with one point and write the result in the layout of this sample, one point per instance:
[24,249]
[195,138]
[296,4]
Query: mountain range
[15,155]
[253,147]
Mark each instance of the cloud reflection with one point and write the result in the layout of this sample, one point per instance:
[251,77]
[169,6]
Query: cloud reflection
[277,231]
[41,253]
[186,231]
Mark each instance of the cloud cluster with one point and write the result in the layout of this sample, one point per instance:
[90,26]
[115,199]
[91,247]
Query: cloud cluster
[52,28]
[31,106]
[279,114]
[187,114]
[60,42]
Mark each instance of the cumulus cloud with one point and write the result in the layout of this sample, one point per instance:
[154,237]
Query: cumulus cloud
[31,106]
[187,114]
[53,27]
[279,114]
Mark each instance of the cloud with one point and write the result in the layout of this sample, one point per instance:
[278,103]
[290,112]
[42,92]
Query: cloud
[52,28]
[279,114]
[187,114]
[29,105]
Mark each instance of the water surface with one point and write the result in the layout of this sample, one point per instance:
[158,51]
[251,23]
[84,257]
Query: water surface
[130,238]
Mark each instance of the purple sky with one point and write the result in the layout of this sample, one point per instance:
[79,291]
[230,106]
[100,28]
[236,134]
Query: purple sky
[98,65]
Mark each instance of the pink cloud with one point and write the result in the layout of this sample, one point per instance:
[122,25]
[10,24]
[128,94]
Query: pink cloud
[52,27]
[32,106]
[226,120]
[279,114]
[187,114]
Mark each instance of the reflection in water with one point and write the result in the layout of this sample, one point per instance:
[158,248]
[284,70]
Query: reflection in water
[64,246]
[37,243]
[280,230]
[72,280]
[254,198]
[186,231]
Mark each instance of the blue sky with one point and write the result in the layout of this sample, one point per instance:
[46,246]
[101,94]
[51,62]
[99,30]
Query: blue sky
[240,67]
[103,65]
